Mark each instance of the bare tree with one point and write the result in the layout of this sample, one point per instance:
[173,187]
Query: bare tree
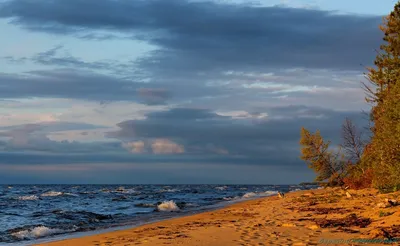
[353,144]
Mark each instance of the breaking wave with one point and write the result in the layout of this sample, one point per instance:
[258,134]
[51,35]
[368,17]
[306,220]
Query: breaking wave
[249,194]
[57,193]
[38,232]
[270,193]
[261,194]
[221,187]
[28,198]
[168,206]
[52,193]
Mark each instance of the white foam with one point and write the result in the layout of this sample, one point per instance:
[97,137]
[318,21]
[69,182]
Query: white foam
[221,187]
[169,190]
[70,194]
[128,191]
[52,193]
[168,206]
[260,194]
[270,193]
[37,232]
[28,198]
[249,194]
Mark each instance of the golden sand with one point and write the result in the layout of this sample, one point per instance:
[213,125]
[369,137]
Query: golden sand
[315,217]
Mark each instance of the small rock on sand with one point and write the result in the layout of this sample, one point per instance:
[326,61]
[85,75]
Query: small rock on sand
[387,203]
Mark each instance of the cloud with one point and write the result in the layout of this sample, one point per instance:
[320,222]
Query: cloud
[248,56]
[272,138]
[153,96]
[135,147]
[155,146]
[88,85]
[165,146]
[213,36]
[67,83]
[50,57]
[35,137]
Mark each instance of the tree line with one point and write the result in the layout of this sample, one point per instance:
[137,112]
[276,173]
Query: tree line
[366,160]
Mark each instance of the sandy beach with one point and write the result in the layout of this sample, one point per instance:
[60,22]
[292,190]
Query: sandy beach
[317,217]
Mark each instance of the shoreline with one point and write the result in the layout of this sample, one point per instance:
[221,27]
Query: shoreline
[147,221]
[307,217]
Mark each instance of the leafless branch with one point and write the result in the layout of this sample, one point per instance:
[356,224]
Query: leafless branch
[353,144]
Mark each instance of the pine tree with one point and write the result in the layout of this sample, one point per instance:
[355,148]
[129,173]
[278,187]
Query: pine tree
[383,153]
[316,153]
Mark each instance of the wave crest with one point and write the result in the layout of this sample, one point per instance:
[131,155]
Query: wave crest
[168,206]
[38,232]
[28,198]
[249,194]
[52,193]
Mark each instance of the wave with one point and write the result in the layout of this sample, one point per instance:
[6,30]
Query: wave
[38,232]
[168,206]
[28,198]
[261,194]
[169,190]
[270,192]
[83,216]
[122,190]
[229,198]
[221,187]
[249,194]
[57,193]
[52,193]
[144,205]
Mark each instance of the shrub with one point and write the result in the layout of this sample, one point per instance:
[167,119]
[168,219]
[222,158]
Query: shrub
[359,180]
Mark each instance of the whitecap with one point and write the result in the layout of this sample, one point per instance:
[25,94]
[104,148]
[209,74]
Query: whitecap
[28,198]
[37,232]
[70,194]
[169,190]
[168,206]
[221,187]
[52,193]
[270,193]
[249,194]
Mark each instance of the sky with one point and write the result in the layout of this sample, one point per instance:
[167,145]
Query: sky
[178,91]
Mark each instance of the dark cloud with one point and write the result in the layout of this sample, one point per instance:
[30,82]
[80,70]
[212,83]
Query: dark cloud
[88,85]
[272,139]
[66,83]
[208,54]
[54,126]
[207,36]
[34,137]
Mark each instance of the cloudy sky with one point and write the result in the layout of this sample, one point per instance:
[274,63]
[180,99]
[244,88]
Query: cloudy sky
[177,91]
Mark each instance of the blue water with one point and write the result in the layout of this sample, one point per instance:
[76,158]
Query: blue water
[30,212]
